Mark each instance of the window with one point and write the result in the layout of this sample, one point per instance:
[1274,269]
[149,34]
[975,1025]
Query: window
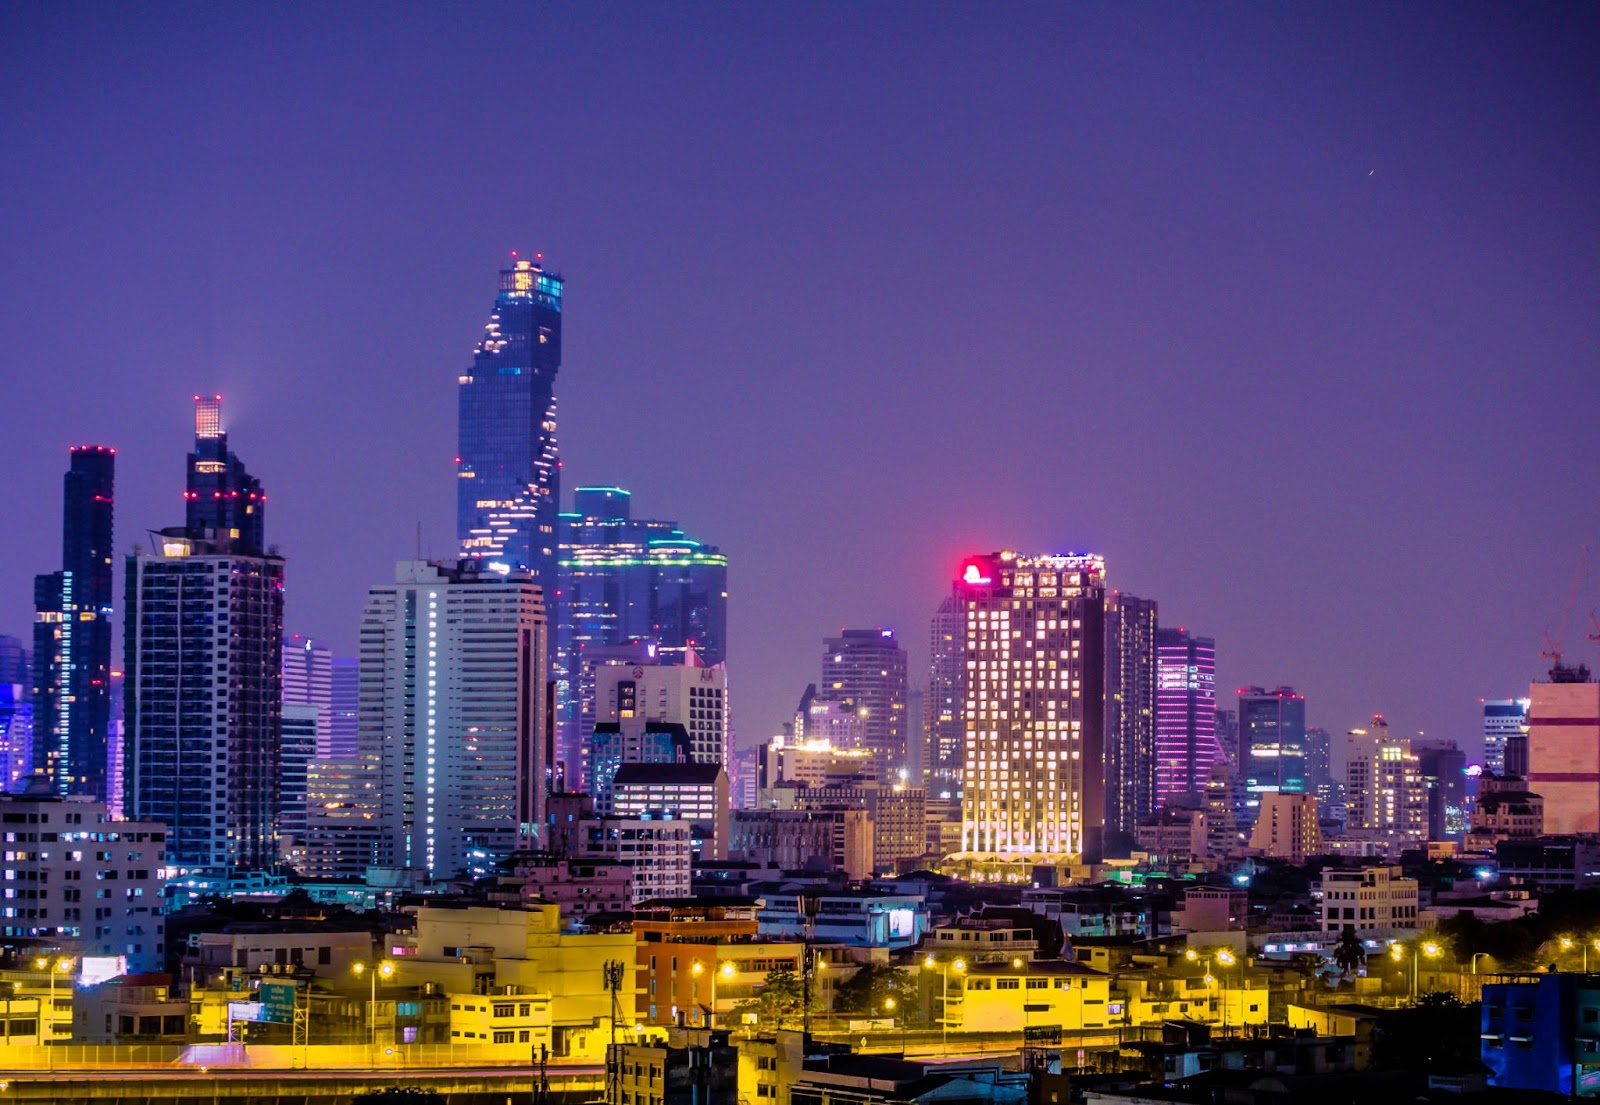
[505,1037]
[1038,984]
[1007,984]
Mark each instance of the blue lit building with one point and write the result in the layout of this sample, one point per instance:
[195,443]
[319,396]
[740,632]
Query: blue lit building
[1543,1034]
[72,634]
[1272,742]
[628,582]
[508,489]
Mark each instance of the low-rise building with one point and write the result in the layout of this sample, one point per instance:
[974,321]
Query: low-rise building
[1543,1034]
[1105,910]
[687,1067]
[1176,834]
[880,1080]
[860,919]
[1023,993]
[838,839]
[581,887]
[1550,862]
[1376,897]
[980,941]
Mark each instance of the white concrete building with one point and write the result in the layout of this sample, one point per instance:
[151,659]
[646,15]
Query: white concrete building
[78,882]
[659,852]
[1368,898]
[689,694]
[452,703]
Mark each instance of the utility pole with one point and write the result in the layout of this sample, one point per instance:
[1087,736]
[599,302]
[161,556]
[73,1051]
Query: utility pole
[613,979]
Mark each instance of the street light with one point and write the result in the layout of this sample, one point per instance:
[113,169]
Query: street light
[1429,949]
[1475,955]
[958,966]
[59,966]
[385,968]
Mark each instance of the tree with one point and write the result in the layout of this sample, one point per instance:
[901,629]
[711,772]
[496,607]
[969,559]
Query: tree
[870,990]
[779,1000]
[1349,953]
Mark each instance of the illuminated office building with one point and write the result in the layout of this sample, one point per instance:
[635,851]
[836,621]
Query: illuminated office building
[203,686]
[308,681]
[1130,715]
[1385,794]
[947,681]
[864,671]
[1503,719]
[72,634]
[507,466]
[1186,716]
[1034,782]
[1272,738]
[628,582]
[452,708]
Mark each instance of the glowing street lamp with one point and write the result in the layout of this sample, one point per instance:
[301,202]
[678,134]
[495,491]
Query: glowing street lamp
[1429,949]
[386,969]
[958,966]
[47,1024]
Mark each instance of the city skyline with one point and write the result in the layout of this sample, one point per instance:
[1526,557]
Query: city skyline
[1408,306]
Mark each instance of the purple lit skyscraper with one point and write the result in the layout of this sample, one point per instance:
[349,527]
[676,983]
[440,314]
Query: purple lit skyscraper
[1186,715]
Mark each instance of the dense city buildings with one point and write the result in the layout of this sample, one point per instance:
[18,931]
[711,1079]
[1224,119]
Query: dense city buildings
[628,581]
[72,633]
[452,706]
[947,680]
[1272,742]
[1130,716]
[508,469]
[1186,711]
[864,671]
[1034,707]
[1503,719]
[1564,751]
[1443,768]
[692,694]
[204,670]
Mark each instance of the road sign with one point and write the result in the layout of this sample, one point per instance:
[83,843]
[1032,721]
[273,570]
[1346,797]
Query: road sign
[278,1000]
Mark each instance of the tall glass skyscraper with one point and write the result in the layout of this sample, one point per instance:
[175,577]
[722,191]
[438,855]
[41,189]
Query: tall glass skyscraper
[1272,736]
[1186,715]
[222,499]
[1130,717]
[629,581]
[72,634]
[508,489]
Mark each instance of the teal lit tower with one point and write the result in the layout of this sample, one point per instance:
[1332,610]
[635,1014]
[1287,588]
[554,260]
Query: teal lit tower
[507,465]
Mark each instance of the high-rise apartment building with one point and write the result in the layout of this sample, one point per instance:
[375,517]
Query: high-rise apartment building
[1034,706]
[1564,752]
[508,488]
[1503,719]
[1272,739]
[308,681]
[1130,715]
[204,670]
[1385,796]
[1186,743]
[947,681]
[864,670]
[628,582]
[72,633]
[453,707]
[297,748]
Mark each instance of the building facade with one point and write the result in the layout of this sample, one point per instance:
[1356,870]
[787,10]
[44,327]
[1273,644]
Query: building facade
[1503,719]
[1034,710]
[308,681]
[692,694]
[1186,716]
[864,670]
[1130,714]
[947,681]
[72,633]
[452,706]
[1272,738]
[1385,796]
[1564,754]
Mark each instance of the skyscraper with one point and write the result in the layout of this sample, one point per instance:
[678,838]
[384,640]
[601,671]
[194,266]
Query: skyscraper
[222,499]
[204,670]
[1186,716]
[308,681]
[1503,718]
[1563,745]
[72,633]
[1034,707]
[1272,737]
[864,670]
[453,709]
[1385,796]
[629,581]
[947,681]
[508,469]
[1130,716]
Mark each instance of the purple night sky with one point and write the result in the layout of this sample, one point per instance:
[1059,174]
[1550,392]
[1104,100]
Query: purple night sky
[1290,311]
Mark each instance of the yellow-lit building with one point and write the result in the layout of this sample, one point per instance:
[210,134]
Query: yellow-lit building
[1012,996]
[510,971]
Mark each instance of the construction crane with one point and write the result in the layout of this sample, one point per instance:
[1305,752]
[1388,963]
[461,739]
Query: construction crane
[1553,644]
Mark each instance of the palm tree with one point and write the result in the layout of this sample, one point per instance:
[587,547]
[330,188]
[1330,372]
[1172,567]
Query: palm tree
[1349,953]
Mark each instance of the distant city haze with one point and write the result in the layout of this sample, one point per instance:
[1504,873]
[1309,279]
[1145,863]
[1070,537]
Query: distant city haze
[1289,313]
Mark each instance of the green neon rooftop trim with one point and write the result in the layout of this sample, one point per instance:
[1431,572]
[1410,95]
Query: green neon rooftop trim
[614,490]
